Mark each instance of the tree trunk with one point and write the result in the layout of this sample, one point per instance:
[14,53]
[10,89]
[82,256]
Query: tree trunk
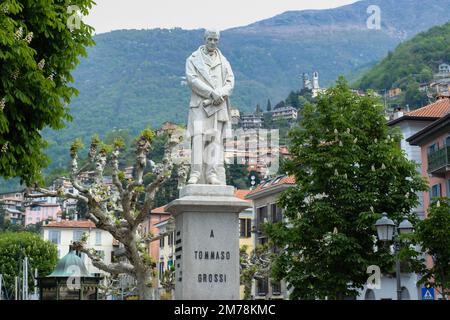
[144,291]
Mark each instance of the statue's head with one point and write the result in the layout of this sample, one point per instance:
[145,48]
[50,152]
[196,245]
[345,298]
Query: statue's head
[211,39]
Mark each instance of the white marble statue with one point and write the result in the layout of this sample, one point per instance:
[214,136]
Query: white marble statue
[209,75]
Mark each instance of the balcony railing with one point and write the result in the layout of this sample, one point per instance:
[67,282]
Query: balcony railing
[439,161]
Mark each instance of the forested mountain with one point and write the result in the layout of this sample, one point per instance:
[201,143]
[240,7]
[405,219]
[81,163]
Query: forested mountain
[414,61]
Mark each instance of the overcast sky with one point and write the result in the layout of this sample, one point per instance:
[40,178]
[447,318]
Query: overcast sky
[110,15]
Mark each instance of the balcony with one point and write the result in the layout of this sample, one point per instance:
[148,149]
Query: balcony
[439,161]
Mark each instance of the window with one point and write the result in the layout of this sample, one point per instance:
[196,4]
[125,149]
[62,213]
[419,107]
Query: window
[262,215]
[161,270]
[245,228]
[98,238]
[276,213]
[433,148]
[276,288]
[170,239]
[435,191]
[447,141]
[77,235]
[161,242]
[54,236]
[448,188]
[262,286]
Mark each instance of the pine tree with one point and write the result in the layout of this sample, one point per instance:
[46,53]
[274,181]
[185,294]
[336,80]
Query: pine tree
[269,106]
[348,170]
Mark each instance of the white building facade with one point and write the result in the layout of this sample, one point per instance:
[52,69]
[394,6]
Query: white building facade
[64,233]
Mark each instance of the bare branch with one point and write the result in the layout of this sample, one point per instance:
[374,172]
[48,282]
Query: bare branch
[55,194]
[142,148]
[74,175]
[115,172]
[113,268]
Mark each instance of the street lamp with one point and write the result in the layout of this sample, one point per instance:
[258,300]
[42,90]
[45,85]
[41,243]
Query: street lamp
[386,232]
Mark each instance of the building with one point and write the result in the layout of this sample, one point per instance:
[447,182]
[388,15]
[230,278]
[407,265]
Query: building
[18,195]
[252,121]
[235,116]
[64,233]
[67,205]
[41,210]
[13,210]
[412,122]
[264,198]
[288,113]
[434,143]
[444,70]
[395,92]
[166,259]
[166,128]
[157,215]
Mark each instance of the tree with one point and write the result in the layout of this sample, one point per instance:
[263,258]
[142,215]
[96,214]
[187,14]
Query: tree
[253,265]
[38,51]
[168,283]
[280,105]
[236,175]
[121,208]
[348,170]
[15,246]
[433,235]
[269,106]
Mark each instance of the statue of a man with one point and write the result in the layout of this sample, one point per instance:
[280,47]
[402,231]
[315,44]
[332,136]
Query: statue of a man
[209,75]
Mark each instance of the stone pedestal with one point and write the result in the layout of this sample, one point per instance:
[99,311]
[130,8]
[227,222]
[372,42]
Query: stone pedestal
[207,242]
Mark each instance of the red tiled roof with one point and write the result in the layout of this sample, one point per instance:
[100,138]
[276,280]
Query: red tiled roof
[241,194]
[160,210]
[437,109]
[11,199]
[71,224]
[273,183]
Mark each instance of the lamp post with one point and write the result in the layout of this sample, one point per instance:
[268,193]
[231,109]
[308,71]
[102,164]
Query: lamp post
[386,230]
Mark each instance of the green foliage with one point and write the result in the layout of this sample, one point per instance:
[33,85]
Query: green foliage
[433,235]
[147,134]
[15,246]
[413,62]
[37,54]
[237,175]
[348,170]
[76,146]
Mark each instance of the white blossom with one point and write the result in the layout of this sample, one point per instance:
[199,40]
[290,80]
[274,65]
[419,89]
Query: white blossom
[356,140]
[373,168]
[19,34]
[15,74]
[41,64]
[29,37]
[336,173]
[438,204]
[340,143]
[5,8]
[5,146]
[383,166]
[376,140]
[2,104]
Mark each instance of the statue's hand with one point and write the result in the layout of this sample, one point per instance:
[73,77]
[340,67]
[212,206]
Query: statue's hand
[217,99]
